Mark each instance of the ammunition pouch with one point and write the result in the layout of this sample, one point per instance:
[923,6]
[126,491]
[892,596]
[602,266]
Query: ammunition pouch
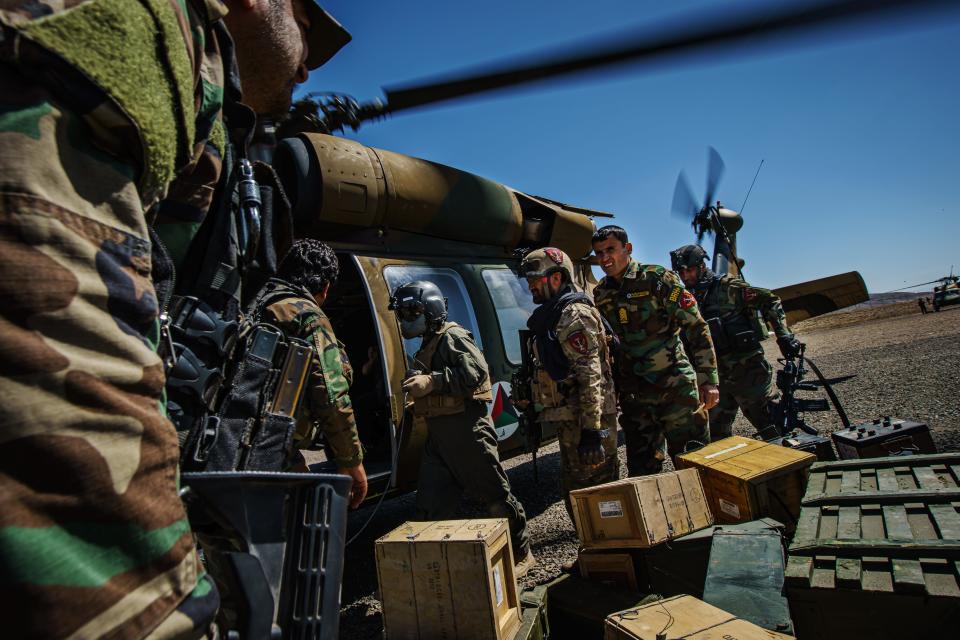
[545,391]
[734,334]
[227,416]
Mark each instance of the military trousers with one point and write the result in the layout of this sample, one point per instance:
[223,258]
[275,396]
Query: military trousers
[661,418]
[744,385]
[574,474]
[460,457]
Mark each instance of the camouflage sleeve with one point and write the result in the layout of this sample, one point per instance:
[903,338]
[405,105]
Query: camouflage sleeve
[328,399]
[579,332]
[766,301]
[681,305]
[464,367]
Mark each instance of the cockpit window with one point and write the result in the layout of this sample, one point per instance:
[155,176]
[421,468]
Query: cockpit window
[459,308]
[513,303]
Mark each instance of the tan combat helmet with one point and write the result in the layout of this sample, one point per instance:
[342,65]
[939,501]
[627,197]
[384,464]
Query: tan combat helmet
[543,262]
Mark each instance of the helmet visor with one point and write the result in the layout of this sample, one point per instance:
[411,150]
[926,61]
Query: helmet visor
[409,311]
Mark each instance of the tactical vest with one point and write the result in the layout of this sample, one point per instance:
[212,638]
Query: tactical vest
[547,393]
[442,404]
[731,332]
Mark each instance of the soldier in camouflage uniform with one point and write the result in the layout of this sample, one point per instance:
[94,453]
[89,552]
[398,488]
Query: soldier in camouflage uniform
[572,386]
[291,302]
[105,103]
[450,388]
[731,308]
[664,392]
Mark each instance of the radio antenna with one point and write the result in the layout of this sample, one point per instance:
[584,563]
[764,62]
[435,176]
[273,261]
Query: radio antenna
[750,190]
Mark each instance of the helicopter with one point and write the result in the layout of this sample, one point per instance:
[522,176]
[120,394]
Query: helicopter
[393,217]
[946,293]
[800,301]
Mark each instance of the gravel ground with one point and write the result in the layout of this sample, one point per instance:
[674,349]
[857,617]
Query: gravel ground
[906,365]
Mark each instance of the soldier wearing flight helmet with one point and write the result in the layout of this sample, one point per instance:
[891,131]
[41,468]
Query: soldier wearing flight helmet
[450,387]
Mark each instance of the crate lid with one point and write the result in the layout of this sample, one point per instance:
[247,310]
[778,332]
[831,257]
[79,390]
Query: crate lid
[446,531]
[748,459]
[635,481]
[685,616]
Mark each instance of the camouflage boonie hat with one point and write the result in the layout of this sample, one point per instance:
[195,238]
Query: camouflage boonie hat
[543,262]
[689,255]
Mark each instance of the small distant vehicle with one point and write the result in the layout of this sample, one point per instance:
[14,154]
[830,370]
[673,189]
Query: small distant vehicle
[945,293]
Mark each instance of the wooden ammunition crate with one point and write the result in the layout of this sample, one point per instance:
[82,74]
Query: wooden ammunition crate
[877,550]
[577,608]
[747,479]
[611,569]
[677,568]
[640,512]
[683,617]
[448,579]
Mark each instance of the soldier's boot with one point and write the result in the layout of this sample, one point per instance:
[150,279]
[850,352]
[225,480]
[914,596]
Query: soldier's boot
[511,509]
[523,567]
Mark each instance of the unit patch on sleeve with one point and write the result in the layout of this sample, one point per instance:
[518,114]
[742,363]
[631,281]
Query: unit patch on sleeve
[687,300]
[578,340]
[622,316]
[675,294]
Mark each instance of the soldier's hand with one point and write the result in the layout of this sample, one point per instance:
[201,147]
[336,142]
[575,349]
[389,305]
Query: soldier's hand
[590,448]
[520,404]
[709,395]
[359,489]
[418,386]
[789,346]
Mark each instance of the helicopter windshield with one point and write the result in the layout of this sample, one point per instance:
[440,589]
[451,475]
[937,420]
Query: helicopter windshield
[513,303]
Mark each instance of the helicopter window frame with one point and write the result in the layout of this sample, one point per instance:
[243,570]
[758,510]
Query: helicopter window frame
[423,272]
[512,355]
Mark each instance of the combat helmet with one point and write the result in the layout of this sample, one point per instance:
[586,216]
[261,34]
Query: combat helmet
[543,262]
[415,300]
[690,255]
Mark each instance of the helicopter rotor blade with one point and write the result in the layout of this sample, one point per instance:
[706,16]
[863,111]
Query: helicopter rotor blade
[638,45]
[684,204]
[914,286]
[715,168]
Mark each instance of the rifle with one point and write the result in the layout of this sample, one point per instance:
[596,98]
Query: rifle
[787,413]
[521,382]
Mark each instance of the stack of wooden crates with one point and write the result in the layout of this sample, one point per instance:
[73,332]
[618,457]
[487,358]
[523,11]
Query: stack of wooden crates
[876,553]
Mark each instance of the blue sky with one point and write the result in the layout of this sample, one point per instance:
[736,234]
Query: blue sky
[858,130]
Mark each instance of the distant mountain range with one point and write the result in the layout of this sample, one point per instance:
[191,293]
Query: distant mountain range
[890,297]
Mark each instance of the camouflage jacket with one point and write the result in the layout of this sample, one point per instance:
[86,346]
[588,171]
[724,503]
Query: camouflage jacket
[588,392]
[648,309]
[735,304]
[94,541]
[326,410]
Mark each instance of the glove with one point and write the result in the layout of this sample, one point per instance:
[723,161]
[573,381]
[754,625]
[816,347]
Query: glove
[590,448]
[419,385]
[789,346]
